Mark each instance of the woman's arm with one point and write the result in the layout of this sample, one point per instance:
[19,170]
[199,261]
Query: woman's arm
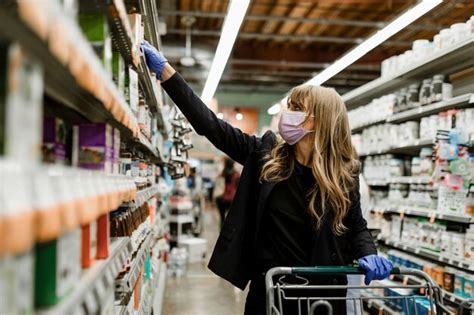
[360,239]
[232,141]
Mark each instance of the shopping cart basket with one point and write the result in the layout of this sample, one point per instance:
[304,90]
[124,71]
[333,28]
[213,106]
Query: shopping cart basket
[391,298]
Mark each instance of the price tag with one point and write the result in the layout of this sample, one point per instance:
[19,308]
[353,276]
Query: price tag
[450,261]
[417,250]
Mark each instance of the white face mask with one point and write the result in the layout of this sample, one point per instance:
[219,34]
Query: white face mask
[290,126]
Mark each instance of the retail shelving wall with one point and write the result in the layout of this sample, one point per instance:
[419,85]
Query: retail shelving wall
[84,137]
[414,131]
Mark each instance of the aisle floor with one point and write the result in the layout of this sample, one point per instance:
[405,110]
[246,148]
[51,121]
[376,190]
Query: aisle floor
[201,292]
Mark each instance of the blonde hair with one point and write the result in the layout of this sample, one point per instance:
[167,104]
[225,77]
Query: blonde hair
[334,161]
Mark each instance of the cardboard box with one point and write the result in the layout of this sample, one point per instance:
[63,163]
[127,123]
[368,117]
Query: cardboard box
[196,247]
[54,140]
[93,146]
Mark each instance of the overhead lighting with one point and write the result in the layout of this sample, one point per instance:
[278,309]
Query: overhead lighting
[233,21]
[220,115]
[239,116]
[373,41]
[275,109]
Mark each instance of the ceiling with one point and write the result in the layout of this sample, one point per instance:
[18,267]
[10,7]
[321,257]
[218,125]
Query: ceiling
[283,43]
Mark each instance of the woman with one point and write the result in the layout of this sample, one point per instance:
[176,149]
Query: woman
[230,178]
[298,200]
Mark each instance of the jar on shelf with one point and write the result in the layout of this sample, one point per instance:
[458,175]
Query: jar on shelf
[396,167]
[402,99]
[440,90]
[460,31]
[425,92]
[413,95]
[446,38]
[415,166]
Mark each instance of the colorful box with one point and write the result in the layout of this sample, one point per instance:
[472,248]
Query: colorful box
[93,146]
[54,140]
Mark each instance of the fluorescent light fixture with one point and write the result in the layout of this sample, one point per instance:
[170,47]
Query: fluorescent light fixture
[275,109]
[373,41]
[220,115]
[233,20]
[239,116]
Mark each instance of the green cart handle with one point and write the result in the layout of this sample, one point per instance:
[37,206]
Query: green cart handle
[335,270]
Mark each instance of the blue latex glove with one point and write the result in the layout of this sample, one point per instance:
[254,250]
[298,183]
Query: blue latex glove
[375,267]
[154,59]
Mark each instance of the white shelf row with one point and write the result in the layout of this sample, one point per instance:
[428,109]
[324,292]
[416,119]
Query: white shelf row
[427,213]
[145,194]
[455,58]
[399,180]
[460,101]
[454,262]
[415,145]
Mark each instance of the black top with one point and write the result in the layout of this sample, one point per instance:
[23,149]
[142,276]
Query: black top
[287,228]
[234,254]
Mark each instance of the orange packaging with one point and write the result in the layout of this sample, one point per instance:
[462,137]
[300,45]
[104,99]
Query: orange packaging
[18,232]
[86,247]
[103,236]
[48,223]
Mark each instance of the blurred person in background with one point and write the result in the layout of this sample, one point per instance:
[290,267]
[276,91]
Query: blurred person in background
[226,186]
[298,202]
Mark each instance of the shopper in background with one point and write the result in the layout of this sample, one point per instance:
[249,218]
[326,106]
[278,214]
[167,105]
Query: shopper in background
[229,179]
[298,202]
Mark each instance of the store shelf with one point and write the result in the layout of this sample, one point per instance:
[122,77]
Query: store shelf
[145,194]
[427,213]
[145,145]
[127,283]
[149,85]
[399,180]
[121,32]
[458,263]
[149,12]
[416,113]
[375,302]
[409,148]
[360,128]
[88,294]
[450,60]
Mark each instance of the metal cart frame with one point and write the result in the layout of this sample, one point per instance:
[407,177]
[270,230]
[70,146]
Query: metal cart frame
[276,292]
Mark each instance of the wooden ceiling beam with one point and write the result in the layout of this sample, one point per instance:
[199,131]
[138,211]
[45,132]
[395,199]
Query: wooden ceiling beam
[312,19]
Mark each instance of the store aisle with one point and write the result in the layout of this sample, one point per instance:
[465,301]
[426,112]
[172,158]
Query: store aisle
[200,292]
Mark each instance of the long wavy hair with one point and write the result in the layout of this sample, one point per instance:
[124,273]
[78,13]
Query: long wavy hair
[334,161]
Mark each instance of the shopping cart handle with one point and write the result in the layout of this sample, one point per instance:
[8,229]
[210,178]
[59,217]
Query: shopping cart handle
[335,270]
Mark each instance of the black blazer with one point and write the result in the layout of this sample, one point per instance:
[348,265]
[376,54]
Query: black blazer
[233,256]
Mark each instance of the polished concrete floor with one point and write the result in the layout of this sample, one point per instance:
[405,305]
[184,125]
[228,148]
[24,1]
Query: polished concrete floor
[200,292]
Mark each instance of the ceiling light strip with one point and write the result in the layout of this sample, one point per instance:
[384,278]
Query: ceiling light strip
[233,21]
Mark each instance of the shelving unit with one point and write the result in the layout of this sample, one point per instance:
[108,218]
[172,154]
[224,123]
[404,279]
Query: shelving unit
[427,213]
[145,194]
[461,101]
[87,295]
[458,263]
[399,180]
[449,60]
[407,148]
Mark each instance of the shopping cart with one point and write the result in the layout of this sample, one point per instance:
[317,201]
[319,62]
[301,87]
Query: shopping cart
[391,298]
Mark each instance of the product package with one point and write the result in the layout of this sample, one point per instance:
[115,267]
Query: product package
[118,71]
[131,89]
[54,140]
[21,104]
[116,152]
[16,285]
[57,268]
[93,146]
[137,30]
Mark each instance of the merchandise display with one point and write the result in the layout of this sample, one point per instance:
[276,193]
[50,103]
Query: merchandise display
[416,149]
[145,146]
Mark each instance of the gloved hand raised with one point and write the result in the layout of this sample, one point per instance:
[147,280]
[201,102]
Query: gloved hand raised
[375,267]
[154,59]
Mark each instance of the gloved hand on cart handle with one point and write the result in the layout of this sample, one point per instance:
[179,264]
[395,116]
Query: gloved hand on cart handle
[154,59]
[375,267]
